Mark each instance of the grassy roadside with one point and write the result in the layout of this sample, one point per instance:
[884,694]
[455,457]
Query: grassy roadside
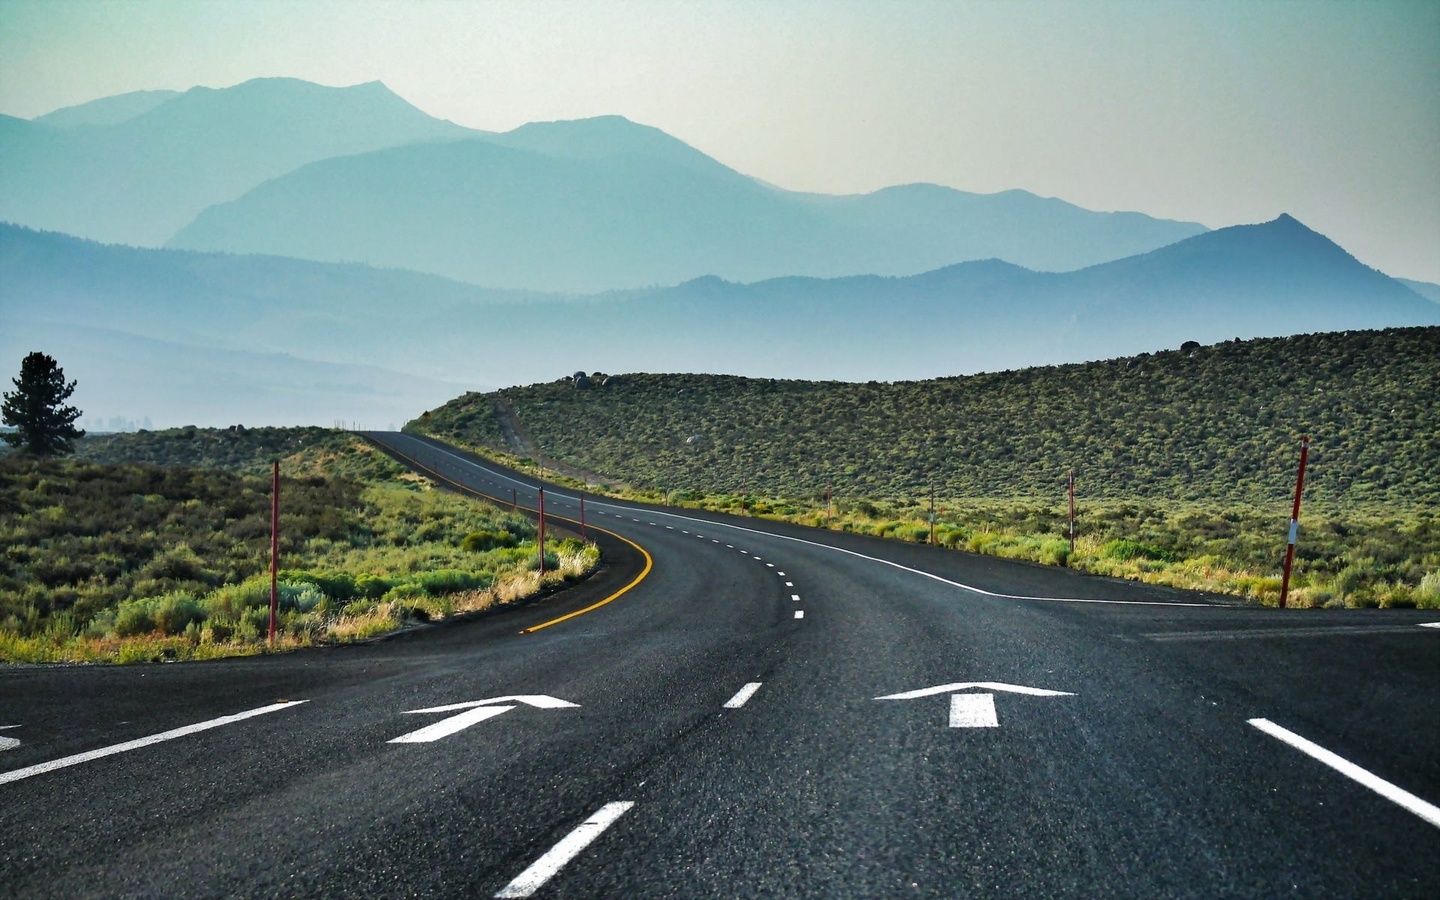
[1368,556]
[126,561]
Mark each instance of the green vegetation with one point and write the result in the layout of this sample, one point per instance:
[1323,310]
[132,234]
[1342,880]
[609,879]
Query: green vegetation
[242,450]
[128,561]
[43,426]
[1185,460]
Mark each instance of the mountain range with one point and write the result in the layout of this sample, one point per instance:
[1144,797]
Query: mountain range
[425,338]
[136,168]
[285,167]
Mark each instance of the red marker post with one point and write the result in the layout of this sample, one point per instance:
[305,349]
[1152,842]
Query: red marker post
[1072,511]
[540,492]
[932,513]
[1294,522]
[274,546]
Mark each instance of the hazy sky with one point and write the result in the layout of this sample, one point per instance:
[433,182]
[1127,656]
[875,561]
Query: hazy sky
[1217,112]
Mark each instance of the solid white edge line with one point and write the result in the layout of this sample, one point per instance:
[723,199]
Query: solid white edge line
[1427,811]
[742,695]
[172,734]
[886,562]
[546,867]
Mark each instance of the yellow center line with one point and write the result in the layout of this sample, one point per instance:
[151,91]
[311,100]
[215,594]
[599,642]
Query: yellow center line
[649,562]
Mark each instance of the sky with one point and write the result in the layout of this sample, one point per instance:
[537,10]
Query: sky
[1217,112]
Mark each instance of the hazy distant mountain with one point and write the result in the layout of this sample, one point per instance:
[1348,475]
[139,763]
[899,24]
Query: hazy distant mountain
[604,203]
[321,311]
[1423,288]
[107,110]
[115,171]
[269,166]
[1274,279]
[136,377]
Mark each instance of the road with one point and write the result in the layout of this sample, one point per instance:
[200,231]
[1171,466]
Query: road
[769,711]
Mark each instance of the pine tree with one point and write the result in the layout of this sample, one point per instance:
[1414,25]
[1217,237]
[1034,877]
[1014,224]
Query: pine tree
[42,425]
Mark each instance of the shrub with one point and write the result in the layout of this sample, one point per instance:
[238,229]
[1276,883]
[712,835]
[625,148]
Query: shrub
[1055,553]
[483,541]
[133,618]
[450,581]
[1427,596]
[174,613]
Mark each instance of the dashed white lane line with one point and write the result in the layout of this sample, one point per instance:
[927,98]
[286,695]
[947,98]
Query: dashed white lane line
[886,562]
[799,613]
[789,584]
[795,597]
[545,868]
[1427,811]
[771,565]
[782,575]
[743,695]
[172,734]
[755,557]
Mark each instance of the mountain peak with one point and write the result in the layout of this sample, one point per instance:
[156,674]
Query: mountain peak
[608,137]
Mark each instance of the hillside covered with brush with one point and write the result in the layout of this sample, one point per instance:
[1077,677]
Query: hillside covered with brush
[1213,423]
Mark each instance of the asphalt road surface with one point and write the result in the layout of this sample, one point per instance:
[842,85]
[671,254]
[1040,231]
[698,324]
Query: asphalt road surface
[767,711]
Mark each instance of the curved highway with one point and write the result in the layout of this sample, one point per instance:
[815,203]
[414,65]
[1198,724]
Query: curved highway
[746,708]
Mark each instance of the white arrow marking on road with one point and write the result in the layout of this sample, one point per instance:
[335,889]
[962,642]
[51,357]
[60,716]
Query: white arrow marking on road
[974,710]
[1430,624]
[447,727]
[8,743]
[540,701]
[476,711]
[966,685]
